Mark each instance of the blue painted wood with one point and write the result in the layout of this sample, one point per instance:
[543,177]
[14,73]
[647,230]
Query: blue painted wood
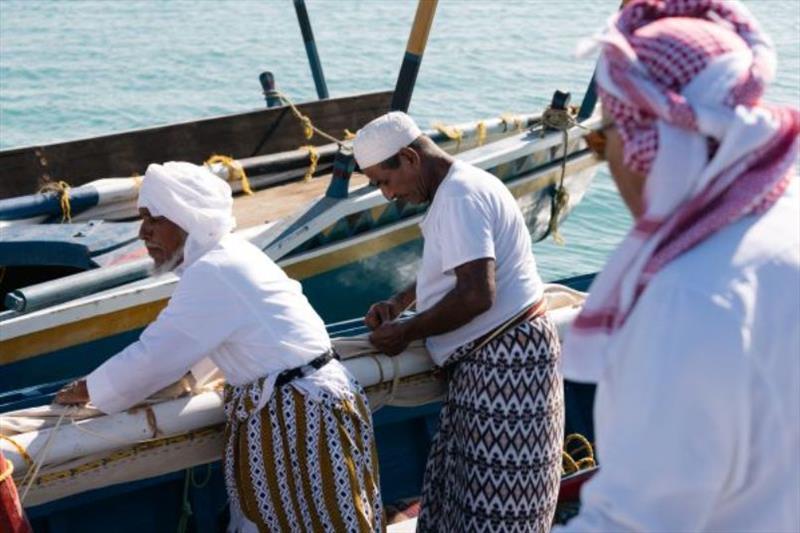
[49,204]
[73,245]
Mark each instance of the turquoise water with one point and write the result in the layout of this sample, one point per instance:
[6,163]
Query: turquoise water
[76,69]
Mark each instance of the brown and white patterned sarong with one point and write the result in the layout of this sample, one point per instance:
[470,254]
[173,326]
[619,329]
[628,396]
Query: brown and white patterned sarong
[302,463]
[495,464]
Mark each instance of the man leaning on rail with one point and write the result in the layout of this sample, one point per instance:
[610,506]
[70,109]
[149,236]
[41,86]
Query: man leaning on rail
[285,393]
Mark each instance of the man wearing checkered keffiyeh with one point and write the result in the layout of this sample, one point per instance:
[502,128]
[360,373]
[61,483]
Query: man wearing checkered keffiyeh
[692,330]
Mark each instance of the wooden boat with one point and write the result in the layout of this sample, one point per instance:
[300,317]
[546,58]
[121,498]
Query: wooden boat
[130,462]
[347,251]
[242,135]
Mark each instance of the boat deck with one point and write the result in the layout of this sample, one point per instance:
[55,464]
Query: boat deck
[284,200]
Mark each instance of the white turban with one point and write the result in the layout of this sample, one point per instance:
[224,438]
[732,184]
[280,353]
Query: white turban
[192,197]
[384,137]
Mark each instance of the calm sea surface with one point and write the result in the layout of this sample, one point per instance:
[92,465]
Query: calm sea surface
[76,69]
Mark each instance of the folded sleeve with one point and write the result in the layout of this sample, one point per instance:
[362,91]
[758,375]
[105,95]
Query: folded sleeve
[198,318]
[464,232]
[670,415]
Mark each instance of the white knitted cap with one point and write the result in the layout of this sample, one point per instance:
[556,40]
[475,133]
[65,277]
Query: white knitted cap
[384,137]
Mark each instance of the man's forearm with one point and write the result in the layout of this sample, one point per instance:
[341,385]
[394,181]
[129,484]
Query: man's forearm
[406,297]
[451,312]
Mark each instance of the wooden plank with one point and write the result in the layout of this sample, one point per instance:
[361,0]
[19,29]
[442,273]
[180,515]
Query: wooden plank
[22,170]
[281,201]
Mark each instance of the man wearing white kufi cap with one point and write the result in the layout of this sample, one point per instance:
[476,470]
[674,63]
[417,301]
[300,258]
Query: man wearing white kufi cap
[497,456]
[236,307]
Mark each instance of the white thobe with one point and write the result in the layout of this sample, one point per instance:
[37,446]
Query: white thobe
[697,414]
[232,305]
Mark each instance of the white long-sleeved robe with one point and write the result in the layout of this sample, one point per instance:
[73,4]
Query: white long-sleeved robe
[232,305]
[697,414]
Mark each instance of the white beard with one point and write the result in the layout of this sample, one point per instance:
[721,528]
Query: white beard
[169,265]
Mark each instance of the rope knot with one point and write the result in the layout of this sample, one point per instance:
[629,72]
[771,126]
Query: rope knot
[234,168]
[313,157]
[62,189]
[451,132]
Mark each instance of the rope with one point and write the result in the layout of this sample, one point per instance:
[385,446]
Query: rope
[30,475]
[508,119]
[451,132]
[7,472]
[205,482]
[62,189]
[481,130]
[140,446]
[562,120]
[152,421]
[569,464]
[186,506]
[308,127]
[20,449]
[313,157]
[235,170]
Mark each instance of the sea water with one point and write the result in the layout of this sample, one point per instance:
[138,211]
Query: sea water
[83,68]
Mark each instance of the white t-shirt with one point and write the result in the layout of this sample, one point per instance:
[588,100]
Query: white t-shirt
[696,415]
[234,306]
[473,216]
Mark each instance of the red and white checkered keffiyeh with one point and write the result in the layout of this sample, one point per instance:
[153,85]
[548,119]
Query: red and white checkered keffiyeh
[683,81]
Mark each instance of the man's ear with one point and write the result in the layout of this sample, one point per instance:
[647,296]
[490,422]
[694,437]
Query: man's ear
[410,155]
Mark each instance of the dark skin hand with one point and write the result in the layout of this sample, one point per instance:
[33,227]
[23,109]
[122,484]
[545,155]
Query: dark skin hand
[76,393]
[473,294]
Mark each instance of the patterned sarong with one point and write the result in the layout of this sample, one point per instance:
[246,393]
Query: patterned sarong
[302,463]
[495,464]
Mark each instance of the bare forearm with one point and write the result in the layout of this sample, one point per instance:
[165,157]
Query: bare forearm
[406,297]
[451,312]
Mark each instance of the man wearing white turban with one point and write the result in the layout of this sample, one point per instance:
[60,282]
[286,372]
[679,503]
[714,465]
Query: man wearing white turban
[692,330]
[495,462]
[299,452]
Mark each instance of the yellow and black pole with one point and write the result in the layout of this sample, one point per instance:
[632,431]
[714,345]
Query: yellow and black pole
[413,58]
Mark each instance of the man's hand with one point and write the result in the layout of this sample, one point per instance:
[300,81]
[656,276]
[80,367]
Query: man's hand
[76,393]
[390,337]
[381,313]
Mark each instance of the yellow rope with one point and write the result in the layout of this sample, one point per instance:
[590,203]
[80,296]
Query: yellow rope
[235,170]
[507,119]
[313,157]
[585,444]
[451,132]
[481,130]
[61,188]
[568,464]
[7,472]
[20,449]
[308,127]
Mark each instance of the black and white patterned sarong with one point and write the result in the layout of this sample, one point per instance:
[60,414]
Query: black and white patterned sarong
[495,464]
[300,463]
